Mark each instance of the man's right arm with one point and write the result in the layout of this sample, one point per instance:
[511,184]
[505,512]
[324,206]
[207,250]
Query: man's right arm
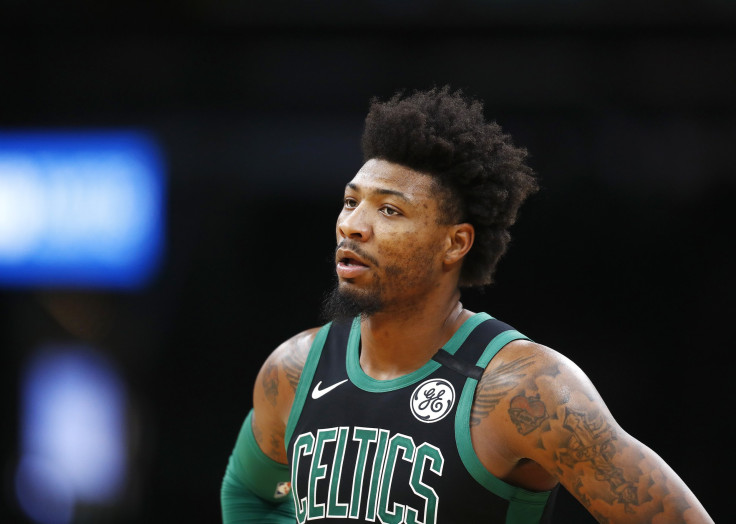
[255,486]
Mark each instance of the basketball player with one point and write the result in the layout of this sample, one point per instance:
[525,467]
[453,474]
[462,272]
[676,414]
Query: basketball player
[408,408]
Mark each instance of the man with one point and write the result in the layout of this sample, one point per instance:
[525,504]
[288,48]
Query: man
[367,420]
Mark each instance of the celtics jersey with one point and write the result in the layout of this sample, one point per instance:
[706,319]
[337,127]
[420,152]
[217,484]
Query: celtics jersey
[398,451]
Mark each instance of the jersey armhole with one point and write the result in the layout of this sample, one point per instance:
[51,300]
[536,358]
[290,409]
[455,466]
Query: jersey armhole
[521,501]
[305,381]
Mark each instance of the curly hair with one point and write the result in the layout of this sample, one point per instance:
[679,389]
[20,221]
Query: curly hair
[484,176]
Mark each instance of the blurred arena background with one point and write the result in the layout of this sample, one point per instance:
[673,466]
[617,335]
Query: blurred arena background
[122,395]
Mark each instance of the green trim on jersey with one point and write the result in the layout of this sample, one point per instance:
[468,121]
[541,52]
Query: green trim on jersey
[372,385]
[302,389]
[524,505]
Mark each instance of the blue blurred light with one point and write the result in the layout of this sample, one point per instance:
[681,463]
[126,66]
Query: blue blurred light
[73,434]
[44,493]
[80,209]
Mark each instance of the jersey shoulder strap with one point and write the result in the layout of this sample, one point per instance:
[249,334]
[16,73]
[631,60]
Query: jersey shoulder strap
[464,360]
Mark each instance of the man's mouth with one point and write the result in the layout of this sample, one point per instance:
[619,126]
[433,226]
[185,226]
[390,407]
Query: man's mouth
[350,268]
[347,261]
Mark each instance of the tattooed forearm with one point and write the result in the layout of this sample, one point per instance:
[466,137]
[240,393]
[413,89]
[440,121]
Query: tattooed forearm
[495,386]
[271,383]
[592,441]
[293,363]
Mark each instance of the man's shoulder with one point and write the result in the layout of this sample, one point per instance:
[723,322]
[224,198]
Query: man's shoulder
[279,376]
[301,342]
[290,356]
[525,373]
[535,361]
[521,365]
[527,350]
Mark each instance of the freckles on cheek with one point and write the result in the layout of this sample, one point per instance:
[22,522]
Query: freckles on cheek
[400,246]
[406,256]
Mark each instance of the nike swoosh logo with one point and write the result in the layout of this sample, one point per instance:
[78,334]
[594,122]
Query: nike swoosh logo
[317,393]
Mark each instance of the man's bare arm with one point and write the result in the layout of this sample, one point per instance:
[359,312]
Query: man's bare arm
[274,391]
[551,413]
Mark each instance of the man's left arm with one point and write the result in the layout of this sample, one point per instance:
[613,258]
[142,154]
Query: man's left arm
[557,418]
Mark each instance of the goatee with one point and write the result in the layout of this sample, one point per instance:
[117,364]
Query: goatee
[340,304]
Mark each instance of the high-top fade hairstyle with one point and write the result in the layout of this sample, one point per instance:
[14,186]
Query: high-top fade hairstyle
[483,176]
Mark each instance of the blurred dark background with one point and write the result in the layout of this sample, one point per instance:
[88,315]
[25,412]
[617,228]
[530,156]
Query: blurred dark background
[622,262]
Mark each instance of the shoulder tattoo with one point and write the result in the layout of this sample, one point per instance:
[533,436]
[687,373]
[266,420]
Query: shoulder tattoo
[494,386]
[527,412]
[293,365]
[271,382]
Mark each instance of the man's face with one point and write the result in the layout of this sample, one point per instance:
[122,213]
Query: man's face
[389,239]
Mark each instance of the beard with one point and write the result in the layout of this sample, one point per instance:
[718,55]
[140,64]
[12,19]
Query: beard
[340,304]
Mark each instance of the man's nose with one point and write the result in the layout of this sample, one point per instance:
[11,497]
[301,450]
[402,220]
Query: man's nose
[354,224]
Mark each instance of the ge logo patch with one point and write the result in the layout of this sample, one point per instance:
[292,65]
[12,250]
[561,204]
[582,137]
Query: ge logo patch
[432,400]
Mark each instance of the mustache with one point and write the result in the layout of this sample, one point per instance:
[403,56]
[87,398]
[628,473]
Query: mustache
[355,248]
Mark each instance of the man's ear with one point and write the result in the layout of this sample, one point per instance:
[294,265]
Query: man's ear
[460,239]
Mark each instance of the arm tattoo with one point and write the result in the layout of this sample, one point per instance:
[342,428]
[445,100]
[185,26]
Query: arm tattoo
[277,446]
[496,385]
[293,363]
[271,383]
[257,433]
[527,413]
[592,441]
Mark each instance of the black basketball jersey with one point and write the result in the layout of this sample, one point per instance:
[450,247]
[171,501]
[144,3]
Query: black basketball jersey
[398,451]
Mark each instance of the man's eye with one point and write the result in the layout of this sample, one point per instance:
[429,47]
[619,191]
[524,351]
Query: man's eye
[350,202]
[389,211]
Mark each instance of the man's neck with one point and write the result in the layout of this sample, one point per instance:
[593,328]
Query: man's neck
[397,342]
